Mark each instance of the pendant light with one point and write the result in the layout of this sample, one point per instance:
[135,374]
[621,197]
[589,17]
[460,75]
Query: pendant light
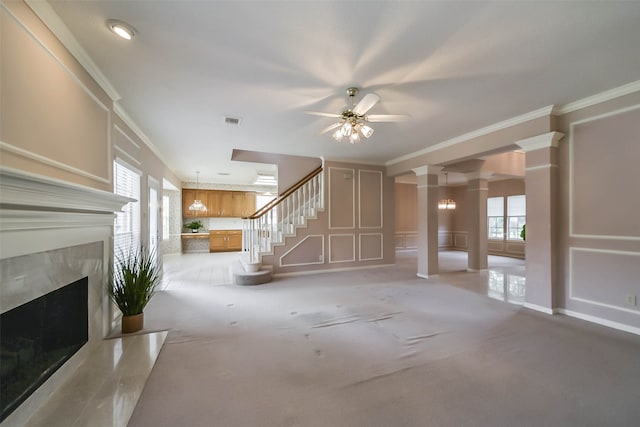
[197,204]
[447,203]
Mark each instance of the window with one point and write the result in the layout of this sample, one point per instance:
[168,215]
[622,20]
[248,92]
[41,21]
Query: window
[495,215]
[516,216]
[165,217]
[126,182]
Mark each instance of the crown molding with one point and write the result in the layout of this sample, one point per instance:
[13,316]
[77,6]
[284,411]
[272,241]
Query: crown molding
[124,116]
[536,114]
[600,97]
[51,19]
[426,170]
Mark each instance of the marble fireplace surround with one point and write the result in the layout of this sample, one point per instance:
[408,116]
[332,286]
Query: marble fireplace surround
[51,234]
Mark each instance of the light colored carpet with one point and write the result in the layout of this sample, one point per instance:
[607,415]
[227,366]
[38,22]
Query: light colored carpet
[379,347]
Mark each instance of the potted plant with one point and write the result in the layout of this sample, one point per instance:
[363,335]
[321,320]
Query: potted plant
[194,225]
[136,276]
[523,233]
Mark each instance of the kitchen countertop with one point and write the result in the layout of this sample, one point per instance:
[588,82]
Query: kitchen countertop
[195,235]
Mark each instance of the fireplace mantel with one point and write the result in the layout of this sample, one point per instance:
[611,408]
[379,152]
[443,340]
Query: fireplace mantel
[29,201]
[53,233]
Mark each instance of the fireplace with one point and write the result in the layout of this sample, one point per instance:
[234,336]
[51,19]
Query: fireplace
[37,338]
[54,237]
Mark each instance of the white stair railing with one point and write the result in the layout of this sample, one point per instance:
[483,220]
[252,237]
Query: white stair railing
[280,217]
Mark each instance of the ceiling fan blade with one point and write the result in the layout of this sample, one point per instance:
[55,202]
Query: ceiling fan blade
[387,118]
[318,113]
[330,128]
[366,103]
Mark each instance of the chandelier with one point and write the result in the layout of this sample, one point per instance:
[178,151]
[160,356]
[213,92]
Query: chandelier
[446,203]
[197,204]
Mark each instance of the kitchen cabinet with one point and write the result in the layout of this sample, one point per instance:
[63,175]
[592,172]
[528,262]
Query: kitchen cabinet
[188,196]
[244,203]
[219,203]
[225,240]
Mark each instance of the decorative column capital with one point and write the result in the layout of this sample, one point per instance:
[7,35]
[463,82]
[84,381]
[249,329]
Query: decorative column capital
[545,140]
[427,170]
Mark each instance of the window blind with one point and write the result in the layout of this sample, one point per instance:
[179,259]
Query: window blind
[126,182]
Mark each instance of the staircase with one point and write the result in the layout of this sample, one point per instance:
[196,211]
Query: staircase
[281,217]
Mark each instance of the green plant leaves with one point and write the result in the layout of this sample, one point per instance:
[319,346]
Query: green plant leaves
[136,276]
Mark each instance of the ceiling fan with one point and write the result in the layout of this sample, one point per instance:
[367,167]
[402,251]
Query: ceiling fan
[352,121]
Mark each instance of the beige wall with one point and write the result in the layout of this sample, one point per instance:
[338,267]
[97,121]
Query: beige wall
[56,121]
[355,229]
[406,212]
[599,230]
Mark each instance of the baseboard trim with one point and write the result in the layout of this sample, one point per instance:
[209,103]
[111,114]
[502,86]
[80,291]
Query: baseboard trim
[539,308]
[331,270]
[426,276]
[599,321]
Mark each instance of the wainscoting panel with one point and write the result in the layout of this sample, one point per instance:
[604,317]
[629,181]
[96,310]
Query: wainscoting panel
[601,277]
[341,198]
[495,246]
[370,200]
[371,246]
[342,248]
[590,144]
[517,248]
[460,239]
[308,251]
[445,239]
[406,240]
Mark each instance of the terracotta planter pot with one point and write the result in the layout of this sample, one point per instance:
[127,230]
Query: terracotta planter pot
[132,323]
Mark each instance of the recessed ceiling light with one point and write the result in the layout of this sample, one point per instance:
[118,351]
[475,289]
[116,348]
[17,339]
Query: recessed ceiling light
[224,173]
[120,28]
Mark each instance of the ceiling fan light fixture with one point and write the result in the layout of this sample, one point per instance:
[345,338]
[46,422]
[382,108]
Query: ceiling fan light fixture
[352,122]
[366,130]
[354,138]
[346,129]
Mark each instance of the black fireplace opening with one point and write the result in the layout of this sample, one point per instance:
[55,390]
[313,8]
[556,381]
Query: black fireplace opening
[37,338]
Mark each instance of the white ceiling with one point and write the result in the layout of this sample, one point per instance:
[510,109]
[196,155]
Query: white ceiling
[453,66]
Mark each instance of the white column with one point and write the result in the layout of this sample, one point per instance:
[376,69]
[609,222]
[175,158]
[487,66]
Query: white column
[477,237]
[540,190]
[427,220]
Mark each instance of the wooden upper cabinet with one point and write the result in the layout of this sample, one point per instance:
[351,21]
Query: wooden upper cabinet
[244,203]
[214,200]
[187,199]
[188,196]
[226,205]
[249,204]
[219,203]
